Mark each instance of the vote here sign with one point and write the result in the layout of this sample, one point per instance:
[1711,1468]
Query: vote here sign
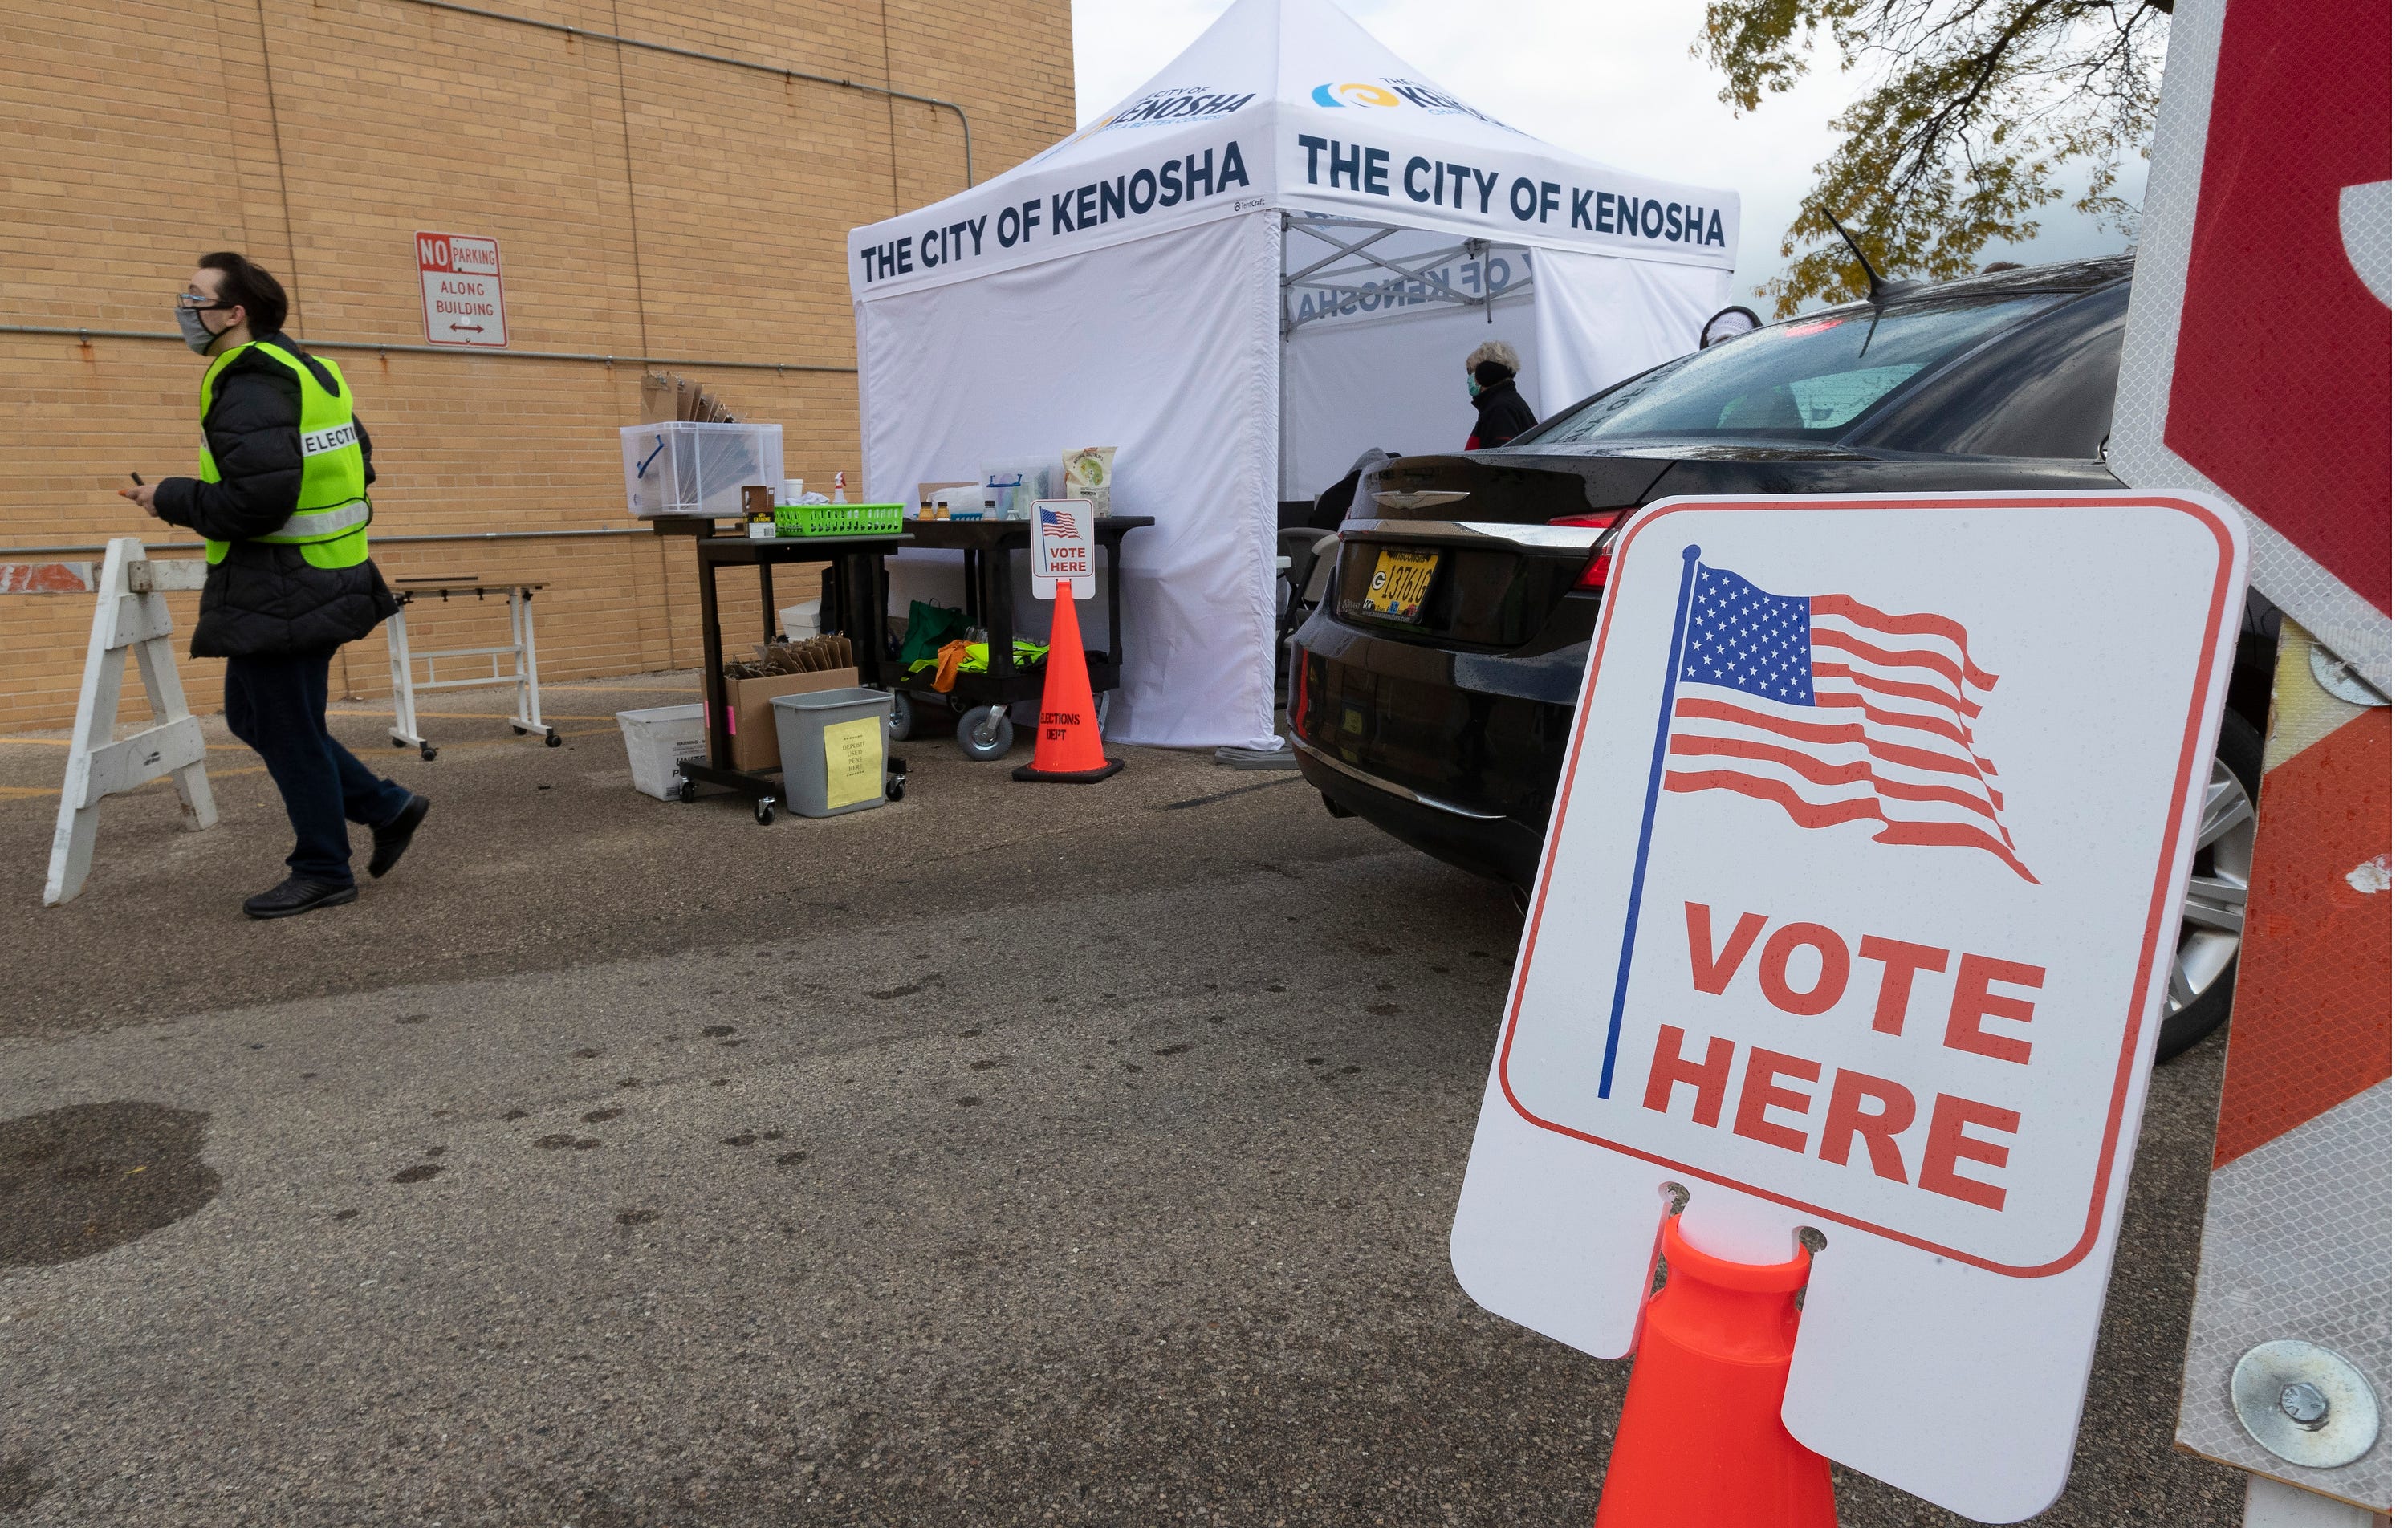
[1857,904]
[1062,547]
[459,284]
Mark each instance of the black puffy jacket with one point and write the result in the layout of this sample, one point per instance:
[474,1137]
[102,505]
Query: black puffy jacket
[265,600]
[1504,415]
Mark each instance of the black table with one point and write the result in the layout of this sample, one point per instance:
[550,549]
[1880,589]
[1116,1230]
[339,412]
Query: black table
[859,566]
[988,587]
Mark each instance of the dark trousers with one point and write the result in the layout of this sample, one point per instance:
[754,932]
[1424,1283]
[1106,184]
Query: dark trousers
[278,706]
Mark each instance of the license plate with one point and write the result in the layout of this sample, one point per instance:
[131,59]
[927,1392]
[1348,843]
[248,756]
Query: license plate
[1399,583]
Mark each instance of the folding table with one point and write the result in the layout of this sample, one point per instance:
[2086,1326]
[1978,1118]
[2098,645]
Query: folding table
[518,596]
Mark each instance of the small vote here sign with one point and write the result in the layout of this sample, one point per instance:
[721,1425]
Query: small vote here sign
[460,282]
[1855,914]
[1062,546]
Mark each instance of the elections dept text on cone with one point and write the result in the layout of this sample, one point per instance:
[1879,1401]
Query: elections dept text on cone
[1069,747]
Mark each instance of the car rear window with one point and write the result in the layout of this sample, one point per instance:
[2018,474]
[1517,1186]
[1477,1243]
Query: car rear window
[1808,380]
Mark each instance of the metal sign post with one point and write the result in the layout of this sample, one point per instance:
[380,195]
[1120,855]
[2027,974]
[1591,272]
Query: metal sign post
[1854,918]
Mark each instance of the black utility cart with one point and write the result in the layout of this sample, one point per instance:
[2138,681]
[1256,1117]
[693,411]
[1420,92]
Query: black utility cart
[857,578]
[988,587]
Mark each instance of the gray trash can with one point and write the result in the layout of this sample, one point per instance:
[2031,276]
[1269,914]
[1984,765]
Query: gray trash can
[832,745]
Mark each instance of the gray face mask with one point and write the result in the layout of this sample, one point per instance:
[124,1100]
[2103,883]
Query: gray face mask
[197,334]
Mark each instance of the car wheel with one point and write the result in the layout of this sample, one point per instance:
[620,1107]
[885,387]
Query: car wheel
[2198,993]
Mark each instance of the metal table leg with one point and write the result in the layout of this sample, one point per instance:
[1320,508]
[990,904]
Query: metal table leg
[404,731]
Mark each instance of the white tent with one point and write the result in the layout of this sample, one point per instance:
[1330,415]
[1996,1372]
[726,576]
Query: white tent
[1273,256]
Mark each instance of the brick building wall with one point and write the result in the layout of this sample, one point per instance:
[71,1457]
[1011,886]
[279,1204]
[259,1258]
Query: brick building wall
[645,204]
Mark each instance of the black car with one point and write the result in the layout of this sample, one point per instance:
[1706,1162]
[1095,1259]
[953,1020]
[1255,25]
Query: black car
[1437,706]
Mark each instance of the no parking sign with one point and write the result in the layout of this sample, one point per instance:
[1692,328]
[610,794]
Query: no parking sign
[1854,916]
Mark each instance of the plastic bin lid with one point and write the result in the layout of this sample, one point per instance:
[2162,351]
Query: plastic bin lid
[692,712]
[821,700]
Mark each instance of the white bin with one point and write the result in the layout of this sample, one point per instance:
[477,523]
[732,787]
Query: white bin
[685,467]
[657,739]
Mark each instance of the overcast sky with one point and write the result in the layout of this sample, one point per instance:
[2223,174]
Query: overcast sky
[1609,80]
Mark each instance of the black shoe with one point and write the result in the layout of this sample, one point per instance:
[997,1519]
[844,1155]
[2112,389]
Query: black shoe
[393,839]
[299,895]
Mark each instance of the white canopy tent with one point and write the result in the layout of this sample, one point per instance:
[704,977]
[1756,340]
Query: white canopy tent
[1273,256]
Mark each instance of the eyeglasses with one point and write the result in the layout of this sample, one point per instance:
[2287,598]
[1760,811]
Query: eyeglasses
[199,305]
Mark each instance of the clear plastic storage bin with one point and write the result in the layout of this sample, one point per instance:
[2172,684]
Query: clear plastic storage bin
[683,468]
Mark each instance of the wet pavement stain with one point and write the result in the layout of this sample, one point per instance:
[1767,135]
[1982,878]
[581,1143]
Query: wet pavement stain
[747,1138]
[20,1486]
[904,991]
[1179,1050]
[788,1158]
[638,1217]
[586,1054]
[82,1179]
[418,1174]
[717,1031]
[600,1115]
[347,1214]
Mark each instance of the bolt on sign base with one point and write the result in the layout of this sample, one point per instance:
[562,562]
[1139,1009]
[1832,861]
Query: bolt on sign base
[1700,1442]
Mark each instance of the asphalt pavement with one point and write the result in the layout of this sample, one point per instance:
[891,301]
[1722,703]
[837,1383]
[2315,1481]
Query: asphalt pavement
[1006,1155]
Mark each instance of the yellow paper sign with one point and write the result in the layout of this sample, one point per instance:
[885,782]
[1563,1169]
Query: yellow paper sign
[856,752]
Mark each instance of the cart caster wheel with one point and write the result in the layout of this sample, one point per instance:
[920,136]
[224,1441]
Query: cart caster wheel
[551,737]
[397,742]
[895,788]
[985,733]
[426,751]
[685,790]
[900,718]
[764,811]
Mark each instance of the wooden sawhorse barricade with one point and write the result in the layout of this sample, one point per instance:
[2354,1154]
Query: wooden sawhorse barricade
[127,615]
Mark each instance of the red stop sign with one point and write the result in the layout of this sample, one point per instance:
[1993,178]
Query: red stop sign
[2281,388]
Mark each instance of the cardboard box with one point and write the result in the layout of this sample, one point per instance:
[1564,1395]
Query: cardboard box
[752,724]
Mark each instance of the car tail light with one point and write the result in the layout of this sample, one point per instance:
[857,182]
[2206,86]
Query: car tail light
[1592,576]
[1297,668]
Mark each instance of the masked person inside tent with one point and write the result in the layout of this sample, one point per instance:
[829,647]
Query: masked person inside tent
[282,502]
[1488,372]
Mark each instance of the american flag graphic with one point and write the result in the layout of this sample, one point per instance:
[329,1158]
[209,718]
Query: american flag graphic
[1061,525]
[1835,712]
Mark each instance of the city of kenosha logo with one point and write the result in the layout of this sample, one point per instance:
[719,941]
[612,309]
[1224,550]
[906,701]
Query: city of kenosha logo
[1389,91]
[1336,95]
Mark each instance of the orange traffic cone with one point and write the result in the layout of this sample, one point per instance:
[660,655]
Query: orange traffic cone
[1070,746]
[1700,1442]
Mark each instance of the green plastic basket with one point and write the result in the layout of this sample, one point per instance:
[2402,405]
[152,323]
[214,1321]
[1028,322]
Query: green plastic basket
[840,520]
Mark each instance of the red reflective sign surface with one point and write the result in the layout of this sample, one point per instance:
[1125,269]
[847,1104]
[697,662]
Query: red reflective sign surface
[2282,390]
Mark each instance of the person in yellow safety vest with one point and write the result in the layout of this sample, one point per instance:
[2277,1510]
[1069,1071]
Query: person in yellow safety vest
[281,504]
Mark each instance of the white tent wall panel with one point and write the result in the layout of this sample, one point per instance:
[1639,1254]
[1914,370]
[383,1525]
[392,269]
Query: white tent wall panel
[1395,381]
[1602,318]
[1164,346]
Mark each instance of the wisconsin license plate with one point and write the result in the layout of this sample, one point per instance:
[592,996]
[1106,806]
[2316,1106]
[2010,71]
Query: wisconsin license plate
[1399,583]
